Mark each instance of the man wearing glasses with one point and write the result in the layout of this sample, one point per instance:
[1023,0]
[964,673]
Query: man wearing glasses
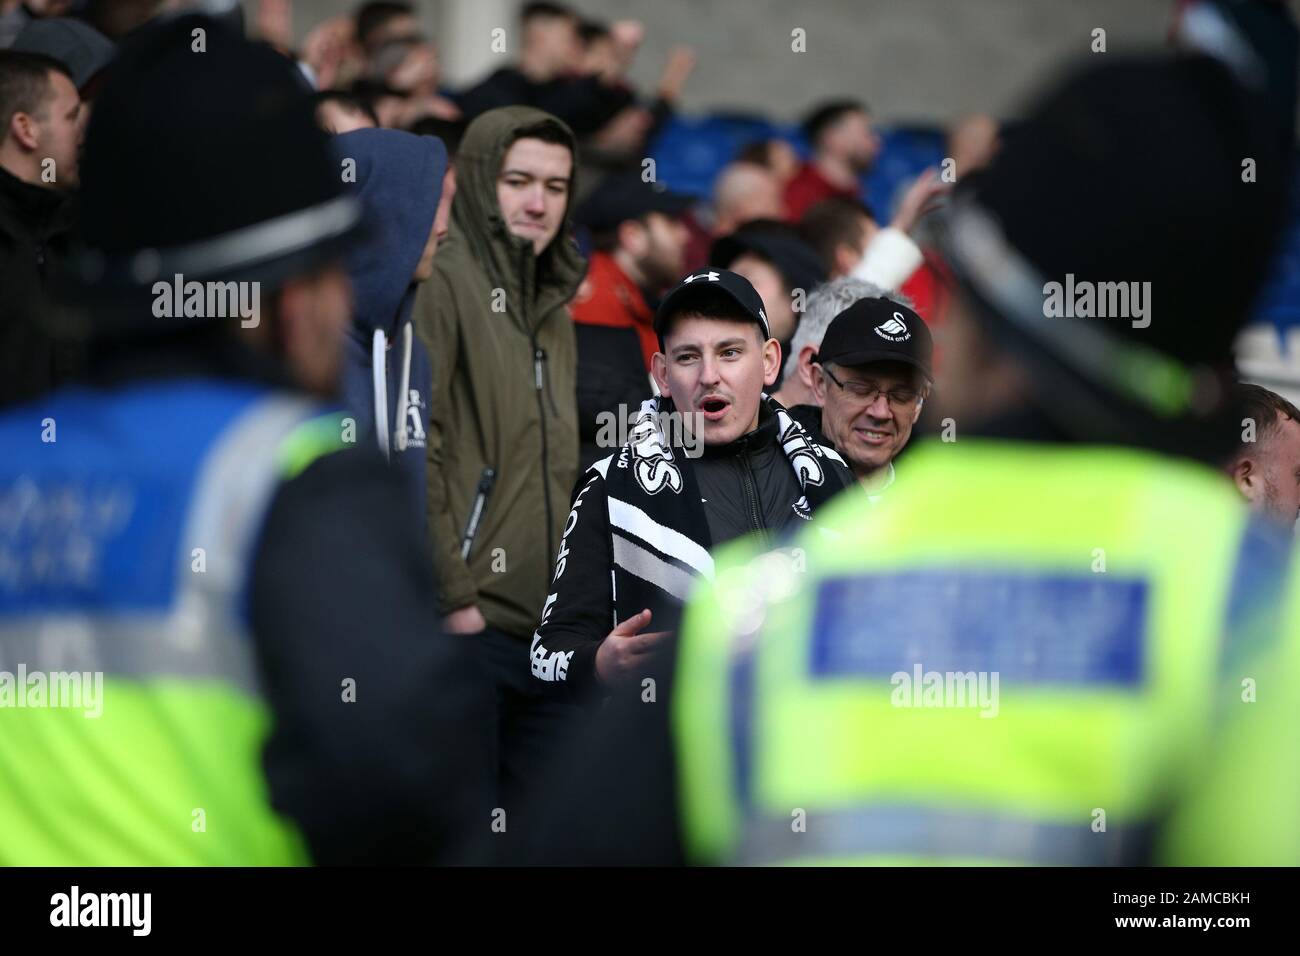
[871,376]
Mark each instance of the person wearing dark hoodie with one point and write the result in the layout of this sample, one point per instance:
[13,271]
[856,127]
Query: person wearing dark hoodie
[503,422]
[399,178]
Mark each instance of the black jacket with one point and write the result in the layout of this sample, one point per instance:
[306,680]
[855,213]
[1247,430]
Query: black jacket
[35,228]
[583,102]
[747,487]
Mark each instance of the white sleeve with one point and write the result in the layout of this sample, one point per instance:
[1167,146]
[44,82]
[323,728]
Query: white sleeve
[890,259]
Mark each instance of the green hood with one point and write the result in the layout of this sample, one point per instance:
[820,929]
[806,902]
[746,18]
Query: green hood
[477,224]
[503,413]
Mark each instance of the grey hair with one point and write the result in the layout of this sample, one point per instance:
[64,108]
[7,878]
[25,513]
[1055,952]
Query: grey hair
[824,303]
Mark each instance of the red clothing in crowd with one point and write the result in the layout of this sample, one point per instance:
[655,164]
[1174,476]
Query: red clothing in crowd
[809,186]
[608,297]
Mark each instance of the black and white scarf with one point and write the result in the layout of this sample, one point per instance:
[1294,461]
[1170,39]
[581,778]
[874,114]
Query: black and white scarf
[660,533]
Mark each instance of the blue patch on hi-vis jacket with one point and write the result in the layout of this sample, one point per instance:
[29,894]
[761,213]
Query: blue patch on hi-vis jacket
[95,490]
[1028,626]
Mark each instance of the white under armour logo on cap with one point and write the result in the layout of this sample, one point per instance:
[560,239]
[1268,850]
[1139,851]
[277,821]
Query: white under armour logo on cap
[711,276]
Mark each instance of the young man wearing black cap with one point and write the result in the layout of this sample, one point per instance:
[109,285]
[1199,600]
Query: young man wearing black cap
[644,521]
[871,377]
[639,247]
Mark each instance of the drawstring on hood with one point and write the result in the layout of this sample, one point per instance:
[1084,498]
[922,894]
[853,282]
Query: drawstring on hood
[379,370]
[404,392]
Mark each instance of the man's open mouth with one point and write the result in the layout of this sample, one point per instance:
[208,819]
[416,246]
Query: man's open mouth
[714,408]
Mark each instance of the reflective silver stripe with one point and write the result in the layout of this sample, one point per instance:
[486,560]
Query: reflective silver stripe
[650,567]
[941,834]
[138,647]
[202,633]
[242,248]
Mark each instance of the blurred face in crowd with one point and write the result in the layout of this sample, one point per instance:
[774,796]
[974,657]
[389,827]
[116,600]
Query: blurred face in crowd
[656,246]
[533,190]
[552,45]
[1269,475]
[782,160]
[769,285]
[852,139]
[336,117]
[715,370]
[441,223]
[412,68]
[745,192]
[54,132]
[600,57]
[400,26]
[762,201]
[868,430]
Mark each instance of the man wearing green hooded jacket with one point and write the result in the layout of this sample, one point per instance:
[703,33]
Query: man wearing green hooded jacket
[503,430]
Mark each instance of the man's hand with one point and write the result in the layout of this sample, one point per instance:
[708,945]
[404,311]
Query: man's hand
[623,651]
[328,47]
[922,197]
[465,620]
[680,65]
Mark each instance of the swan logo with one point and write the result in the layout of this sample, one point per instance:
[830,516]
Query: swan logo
[894,330]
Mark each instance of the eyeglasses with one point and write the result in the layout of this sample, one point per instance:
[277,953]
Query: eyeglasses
[868,393]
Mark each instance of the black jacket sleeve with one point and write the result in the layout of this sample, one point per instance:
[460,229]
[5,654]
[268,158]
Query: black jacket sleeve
[342,607]
[579,610]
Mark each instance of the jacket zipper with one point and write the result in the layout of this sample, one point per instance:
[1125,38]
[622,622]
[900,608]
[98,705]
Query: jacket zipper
[751,494]
[476,512]
[544,378]
[541,414]
[538,355]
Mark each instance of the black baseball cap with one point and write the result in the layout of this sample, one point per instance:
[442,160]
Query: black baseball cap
[623,196]
[878,330]
[704,284]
